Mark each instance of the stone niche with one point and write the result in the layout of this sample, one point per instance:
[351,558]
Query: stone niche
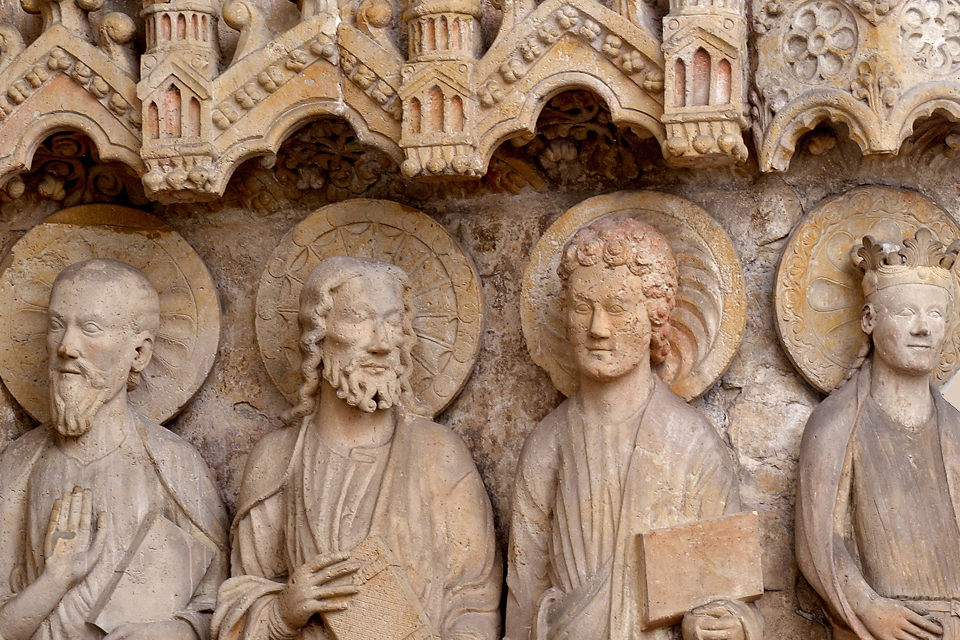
[493,119]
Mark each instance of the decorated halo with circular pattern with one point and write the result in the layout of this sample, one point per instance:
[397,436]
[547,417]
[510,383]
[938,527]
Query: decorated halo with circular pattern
[186,344]
[446,288]
[818,296]
[711,310]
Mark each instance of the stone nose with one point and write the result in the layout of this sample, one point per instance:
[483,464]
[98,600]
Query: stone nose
[599,323]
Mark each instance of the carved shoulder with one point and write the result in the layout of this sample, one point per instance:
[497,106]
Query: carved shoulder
[443,450]
[18,457]
[266,465]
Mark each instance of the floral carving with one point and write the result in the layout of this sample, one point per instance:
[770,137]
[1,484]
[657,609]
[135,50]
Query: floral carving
[876,85]
[820,41]
[576,142]
[67,171]
[930,34]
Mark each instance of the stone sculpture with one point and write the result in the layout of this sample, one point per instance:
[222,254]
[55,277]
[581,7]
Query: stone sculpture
[86,498]
[818,295]
[877,67]
[621,456]
[355,476]
[877,528]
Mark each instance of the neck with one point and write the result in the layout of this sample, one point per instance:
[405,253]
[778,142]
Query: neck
[108,430]
[615,400]
[905,397]
[345,426]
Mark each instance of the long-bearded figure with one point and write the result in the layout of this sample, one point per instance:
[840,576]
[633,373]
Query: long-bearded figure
[74,493]
[622,456]
[353,464]
[879,485]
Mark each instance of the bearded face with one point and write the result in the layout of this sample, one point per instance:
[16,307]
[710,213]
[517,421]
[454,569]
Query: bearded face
[92,348]
[77,391]
[363,342]
[364,384]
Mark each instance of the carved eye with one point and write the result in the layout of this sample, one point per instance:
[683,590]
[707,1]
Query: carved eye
[91,327]
[582,308]
[617,309]
[55,324]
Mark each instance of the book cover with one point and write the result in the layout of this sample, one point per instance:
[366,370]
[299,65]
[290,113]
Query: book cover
[143,587]
[688,566]
[386,608]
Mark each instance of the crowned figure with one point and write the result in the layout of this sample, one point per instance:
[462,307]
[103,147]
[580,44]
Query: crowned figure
[877,501]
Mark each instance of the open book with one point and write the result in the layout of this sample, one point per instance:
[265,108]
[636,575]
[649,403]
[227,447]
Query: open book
[685,567]
[157,577]
[386,608]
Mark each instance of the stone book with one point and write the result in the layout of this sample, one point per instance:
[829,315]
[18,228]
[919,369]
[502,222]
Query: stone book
[386,608]
[688,566]
[143,589]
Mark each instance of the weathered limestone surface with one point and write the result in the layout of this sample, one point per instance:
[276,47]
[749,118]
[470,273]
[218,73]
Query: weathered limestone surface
[760,404]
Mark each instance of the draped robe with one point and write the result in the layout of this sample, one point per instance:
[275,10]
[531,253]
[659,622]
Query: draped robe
[422,494]
[152,470]
[584,493]
[826,539]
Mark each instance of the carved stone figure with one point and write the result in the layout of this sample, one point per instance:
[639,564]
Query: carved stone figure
[102,495]
[620,457]
[877,527]
[355,475]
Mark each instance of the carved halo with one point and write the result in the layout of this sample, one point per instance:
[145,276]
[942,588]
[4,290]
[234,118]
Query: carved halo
[818,296]
[711,310]
[186,345]
[446,289]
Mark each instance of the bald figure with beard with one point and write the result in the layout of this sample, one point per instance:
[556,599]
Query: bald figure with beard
[354,463]
[75,492]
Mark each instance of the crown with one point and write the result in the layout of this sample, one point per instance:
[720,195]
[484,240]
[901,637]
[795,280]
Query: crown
[921,260]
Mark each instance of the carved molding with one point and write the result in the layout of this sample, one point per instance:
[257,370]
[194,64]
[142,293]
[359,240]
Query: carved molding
[439,110]
[876,67]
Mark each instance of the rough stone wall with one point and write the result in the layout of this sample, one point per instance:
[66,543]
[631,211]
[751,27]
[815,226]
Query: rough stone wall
[759,406]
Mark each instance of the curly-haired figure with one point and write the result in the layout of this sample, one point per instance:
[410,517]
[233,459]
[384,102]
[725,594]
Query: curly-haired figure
[352,463]
[621,456]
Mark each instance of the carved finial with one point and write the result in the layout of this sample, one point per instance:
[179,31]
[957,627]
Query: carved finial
[116,39]
[247,18]
[11,44]
[70,13]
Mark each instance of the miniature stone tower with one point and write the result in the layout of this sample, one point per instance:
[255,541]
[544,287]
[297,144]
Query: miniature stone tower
[177,70]
[705,58]
[438,94]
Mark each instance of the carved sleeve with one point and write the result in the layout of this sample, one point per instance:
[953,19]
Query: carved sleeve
[474,575]
[528,558]
[247,602]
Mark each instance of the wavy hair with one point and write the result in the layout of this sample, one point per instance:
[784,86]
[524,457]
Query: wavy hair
[316,300]
[622,241]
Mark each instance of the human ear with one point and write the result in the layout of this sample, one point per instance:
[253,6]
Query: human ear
[868,318]
[144,351]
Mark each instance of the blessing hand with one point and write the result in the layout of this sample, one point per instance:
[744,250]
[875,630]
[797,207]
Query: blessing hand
[71,549]
[712,621]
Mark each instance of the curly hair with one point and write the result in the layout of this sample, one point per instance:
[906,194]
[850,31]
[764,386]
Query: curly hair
[316,300]
[622,241]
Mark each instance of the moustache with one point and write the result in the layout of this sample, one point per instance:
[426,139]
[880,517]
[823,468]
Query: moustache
[94,376]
